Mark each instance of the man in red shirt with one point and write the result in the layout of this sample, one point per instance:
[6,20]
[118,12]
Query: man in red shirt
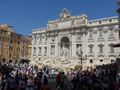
[58,79]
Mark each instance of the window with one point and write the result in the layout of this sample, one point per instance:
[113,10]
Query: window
[18,42]
[34,49]
[112,61]
[11,35]
[40,38]
[17,55]
[91,61]
[90,34]
[91,49]
[10,48]
[45,50]
[90,22]
[101,60]
[39,59]
[39,49]
[10,41]
[100,22]
[101,49]
[111,31]
[7,45]
[4,33]
[110,20]
[111,49]
[18,49]
[10,55]
[100,33]
[7,53]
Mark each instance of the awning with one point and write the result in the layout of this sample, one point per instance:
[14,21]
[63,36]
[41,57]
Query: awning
[116,45]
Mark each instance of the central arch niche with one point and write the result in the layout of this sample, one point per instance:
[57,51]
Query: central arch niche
[65,42]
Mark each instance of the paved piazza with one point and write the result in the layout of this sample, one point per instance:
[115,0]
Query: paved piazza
[69,39]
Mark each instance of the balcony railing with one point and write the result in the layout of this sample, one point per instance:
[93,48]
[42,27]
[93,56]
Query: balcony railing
[112,54]
[101,54]
[90,54]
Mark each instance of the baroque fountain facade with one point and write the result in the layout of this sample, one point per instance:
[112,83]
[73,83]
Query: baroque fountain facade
[60,43]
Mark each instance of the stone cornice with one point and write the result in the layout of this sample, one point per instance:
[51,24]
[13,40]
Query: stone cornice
[100,25]
[101,54]
[67,28]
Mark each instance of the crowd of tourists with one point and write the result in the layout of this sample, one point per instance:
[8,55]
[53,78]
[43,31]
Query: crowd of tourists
[23,77]
[28,77]
[103,77]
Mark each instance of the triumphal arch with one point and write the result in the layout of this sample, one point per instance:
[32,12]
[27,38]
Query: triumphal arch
[68,40]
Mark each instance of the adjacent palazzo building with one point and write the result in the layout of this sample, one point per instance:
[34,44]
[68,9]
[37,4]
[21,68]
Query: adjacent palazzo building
[60,43]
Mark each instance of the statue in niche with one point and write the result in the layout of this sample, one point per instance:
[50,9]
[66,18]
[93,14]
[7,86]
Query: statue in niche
[53,38]
[52,50]
[65,51]
[65,14]
[79,51]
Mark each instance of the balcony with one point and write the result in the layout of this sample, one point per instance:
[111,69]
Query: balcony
[90,54]
[112,54]
[101,54]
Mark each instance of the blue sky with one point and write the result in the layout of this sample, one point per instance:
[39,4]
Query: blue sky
[26,15]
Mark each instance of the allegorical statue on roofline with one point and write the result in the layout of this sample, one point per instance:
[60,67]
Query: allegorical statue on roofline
[65,14]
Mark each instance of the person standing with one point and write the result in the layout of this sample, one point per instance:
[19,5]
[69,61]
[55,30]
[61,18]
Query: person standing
[45,84]
[12,83]
[22,85]
[58,79]
[66,83]
[17,79]
[62,79]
